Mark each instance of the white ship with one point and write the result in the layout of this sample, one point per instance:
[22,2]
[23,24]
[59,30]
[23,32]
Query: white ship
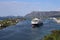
[36,22]
[57,20]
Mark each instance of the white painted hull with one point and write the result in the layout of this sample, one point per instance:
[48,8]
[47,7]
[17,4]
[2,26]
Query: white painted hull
[37,25]
[58,21]
[36,22]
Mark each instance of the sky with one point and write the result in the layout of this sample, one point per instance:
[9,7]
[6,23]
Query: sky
[23,7]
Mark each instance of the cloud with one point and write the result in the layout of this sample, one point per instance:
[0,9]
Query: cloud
[17,8]
[22,8]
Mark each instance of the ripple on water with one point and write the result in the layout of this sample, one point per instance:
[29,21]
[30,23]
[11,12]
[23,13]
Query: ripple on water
[24,31]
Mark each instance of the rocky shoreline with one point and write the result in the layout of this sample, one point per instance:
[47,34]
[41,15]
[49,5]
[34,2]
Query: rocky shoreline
[7,22]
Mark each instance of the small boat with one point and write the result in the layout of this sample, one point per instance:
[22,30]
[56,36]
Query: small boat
[36,22]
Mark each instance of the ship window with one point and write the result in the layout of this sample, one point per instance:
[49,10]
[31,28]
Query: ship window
[35,20]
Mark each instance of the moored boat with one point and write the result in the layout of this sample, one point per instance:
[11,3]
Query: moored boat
[36,22]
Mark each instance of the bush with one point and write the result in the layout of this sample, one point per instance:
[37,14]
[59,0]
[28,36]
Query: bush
[55,35]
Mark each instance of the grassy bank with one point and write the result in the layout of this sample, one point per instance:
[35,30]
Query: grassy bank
[7,22]
[55,35]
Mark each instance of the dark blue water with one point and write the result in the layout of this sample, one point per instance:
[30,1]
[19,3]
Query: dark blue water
[24,31]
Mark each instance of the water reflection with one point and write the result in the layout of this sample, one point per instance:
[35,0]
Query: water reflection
[24,31]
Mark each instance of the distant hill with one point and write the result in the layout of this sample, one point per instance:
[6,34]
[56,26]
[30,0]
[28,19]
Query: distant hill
[2,18]
[43,14]
[11,17]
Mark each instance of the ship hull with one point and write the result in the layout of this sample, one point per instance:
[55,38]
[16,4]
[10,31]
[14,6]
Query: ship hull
[37,25]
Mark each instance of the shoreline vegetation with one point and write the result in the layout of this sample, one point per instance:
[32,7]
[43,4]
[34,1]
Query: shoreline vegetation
[9,21]
[55,35]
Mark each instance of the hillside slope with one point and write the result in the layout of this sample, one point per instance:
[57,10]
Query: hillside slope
[43,14]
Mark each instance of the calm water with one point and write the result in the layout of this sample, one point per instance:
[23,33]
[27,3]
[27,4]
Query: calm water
[24,31]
